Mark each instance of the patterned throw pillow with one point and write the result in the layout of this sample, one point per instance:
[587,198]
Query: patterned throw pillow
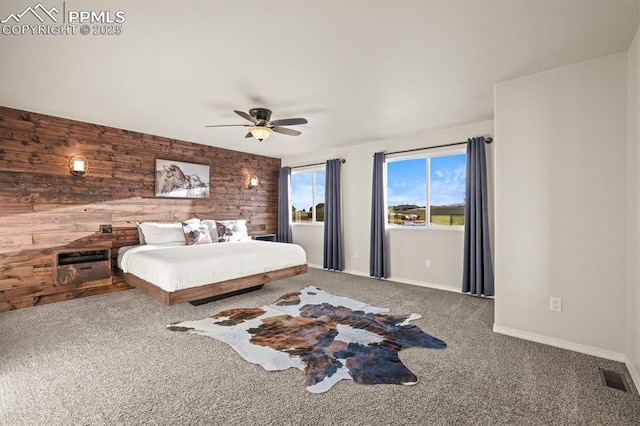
[232,230]
[196,232]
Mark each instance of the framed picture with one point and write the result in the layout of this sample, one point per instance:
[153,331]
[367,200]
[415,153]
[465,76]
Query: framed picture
[181,180]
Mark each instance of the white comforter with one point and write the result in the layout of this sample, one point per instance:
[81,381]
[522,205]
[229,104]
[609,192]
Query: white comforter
[178,267]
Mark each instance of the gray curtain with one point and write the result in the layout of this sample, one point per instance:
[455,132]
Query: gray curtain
[284,205]
[333,246]
[477,277]
[378,257]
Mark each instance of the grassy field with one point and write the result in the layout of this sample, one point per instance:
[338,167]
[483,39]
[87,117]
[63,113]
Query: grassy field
[447,219]
[412,217]
[306,217]
[440,215]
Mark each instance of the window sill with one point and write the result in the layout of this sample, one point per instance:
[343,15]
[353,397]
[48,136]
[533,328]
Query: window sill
[428,228]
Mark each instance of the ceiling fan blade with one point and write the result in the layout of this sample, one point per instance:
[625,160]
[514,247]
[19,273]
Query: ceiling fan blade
[248,135]
[228,125]
[286,131]
[289,122]
[246,116]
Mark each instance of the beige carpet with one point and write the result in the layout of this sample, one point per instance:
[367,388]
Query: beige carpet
[109,360]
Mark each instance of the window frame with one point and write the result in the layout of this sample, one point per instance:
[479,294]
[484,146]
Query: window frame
[431,153]
[313,170]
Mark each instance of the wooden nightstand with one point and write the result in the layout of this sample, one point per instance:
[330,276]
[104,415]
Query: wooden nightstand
[80,265]
[265,237]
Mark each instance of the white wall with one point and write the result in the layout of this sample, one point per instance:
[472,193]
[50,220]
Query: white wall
[560,187]
[567,208]
[408,248]
[633,208]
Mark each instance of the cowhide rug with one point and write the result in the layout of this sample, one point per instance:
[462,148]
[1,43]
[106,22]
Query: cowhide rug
[330,338]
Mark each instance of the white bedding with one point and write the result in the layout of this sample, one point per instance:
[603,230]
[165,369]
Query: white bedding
[174,268]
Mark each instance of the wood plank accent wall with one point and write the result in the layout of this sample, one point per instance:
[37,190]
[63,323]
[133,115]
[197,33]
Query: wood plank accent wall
[45,209]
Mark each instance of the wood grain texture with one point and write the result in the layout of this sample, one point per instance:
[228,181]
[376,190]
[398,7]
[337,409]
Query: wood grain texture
[44,209]
[210,290]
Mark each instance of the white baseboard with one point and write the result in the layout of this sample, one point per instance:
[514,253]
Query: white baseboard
[534,337]
[572,346]
[358,273]
[635,375]
[561,343]
[404,281]
[425,284]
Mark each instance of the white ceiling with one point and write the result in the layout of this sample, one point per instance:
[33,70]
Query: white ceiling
[358,71]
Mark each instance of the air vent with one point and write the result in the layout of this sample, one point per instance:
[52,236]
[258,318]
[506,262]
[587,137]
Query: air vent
[613,380]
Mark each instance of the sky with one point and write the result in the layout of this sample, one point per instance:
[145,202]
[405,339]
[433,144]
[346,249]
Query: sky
[301,189]
[406,181]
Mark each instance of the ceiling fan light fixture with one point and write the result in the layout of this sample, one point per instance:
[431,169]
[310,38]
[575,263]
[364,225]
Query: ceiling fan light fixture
[260,132]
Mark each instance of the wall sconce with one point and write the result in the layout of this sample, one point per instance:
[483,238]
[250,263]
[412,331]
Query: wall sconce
[78,165]
[253,182]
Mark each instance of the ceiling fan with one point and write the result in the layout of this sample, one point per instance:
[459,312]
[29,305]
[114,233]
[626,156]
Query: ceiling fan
[262,127]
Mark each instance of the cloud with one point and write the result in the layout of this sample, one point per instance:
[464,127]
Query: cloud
[407,181]
[301,196]
[448,186]
[302,190]
[415,194]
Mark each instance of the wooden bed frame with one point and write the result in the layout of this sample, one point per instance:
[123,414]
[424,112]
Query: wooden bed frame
[211,290]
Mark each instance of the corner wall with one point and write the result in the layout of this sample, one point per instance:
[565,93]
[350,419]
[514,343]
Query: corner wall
[633,208]
[560,206]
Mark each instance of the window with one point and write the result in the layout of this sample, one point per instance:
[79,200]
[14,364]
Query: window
[439,178]
[307,196]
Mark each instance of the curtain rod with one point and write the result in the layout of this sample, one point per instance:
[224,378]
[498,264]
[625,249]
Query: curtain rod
[487,140]
[317,164]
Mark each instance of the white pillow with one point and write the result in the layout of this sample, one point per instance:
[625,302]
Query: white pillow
[140,234]
[230,231]
[213,229]
[162,233]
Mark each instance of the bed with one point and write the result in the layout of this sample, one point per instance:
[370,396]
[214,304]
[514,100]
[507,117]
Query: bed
[174,272]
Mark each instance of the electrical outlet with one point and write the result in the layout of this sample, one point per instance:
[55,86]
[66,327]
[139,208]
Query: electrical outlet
[357,255]
[106,229]
[555,304]
[427,263]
